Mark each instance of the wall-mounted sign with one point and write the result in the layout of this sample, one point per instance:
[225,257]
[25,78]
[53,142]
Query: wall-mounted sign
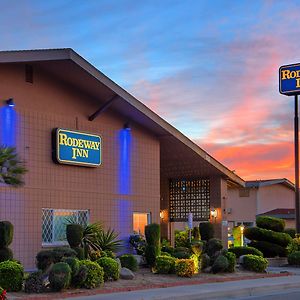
[77,148]
[289,79]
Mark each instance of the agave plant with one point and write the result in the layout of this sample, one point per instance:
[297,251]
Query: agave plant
[89,242]
[107,240]
[11,168]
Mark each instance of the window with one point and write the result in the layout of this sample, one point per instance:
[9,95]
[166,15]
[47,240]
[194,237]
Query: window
[140,220]
[54,223]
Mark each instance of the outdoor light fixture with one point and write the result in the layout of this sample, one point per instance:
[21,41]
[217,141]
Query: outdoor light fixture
[126,126]
[213,213]
[161,214]
[10,102]
[242,227]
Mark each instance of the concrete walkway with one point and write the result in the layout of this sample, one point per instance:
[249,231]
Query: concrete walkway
[224,290]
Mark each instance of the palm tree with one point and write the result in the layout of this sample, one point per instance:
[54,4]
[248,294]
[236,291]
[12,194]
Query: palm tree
[11,168]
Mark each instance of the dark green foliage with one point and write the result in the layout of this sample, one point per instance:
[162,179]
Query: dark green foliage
[196,234]
[44,259]
[213,245]
[291,232]
[260,234]
[182,255]
[60,276]
[221,264]
[138,242]
[6,233]
[107,241]
[197,247]
[79,252]
[79,279]
[89,241]
[34,283]
[5,254]
[165,264]
[74,233]
[238,251]
[95,274]
[294,258]
[205,261]
[165,254]
[206,231]
[168,249]
[182,238]
[269,249]
[60,252]
[73,264]
[231,262]
[255,263]
[270,223]
[129,261]
[110,268]
[11,276]
[152,233]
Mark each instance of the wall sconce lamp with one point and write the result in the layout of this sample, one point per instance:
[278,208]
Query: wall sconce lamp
[10,102]
[242,227]
[213,213]
[162,214]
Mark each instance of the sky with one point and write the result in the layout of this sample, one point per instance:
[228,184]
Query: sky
[210,68]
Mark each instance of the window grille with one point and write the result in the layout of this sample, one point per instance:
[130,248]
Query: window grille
[54,223]
[189,196]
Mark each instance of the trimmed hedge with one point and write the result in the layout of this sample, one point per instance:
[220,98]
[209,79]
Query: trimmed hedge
[231,262]
[260,234]
[184,267]
[213,245]
[11,276]
[74,233]
[110,267]
[94,276]
[269,249]
[60,276]
[221,264]
[152,250]
[294,258]
[165,264]
[206,231]
[129,261]
[255,263]
[239,251]
[270,223]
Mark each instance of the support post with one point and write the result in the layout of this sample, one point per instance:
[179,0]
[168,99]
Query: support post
[296,138]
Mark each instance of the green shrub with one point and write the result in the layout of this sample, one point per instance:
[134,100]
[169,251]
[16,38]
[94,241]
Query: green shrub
[95,274]
[151,252]
[231,262]
[60,252]
[44,259]
[260,234]
[168,249]
[34,283]
[182,238]
[206,231]
[195,259]
[197,247]
[294,258]
[165,254]
[60,276]
[182,255]
[291,232]
[269,249]
[270,223]
[184,267]
[165,264]
[11,276]
[255,263]
[129,261]
[205,261]
[6,233]
[73,263]
[293,246]
[79,278]
[79,252]
[196,234]
[152,233]
[74,233]
[110,268]
[213,245]
[221,264]
[239,251]
[5,254]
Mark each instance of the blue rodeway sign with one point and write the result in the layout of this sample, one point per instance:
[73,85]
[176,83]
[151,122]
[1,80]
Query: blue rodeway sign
[289,79]
[77,148]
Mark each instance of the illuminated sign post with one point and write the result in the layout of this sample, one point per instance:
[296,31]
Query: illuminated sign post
[77,148]
[289,85]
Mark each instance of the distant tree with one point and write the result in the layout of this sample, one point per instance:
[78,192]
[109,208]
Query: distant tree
[11,168]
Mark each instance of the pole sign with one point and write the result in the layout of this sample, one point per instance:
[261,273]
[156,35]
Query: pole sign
[77,148]
[289,79]
[190,220]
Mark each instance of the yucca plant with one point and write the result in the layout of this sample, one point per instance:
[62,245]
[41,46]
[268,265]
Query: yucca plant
[107,240]
[89,242]
[11,168]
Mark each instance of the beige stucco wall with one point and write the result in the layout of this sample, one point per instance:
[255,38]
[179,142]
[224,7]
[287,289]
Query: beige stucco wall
[49,103]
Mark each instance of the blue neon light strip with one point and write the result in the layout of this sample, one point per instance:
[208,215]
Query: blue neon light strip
[124,162]
[8,120]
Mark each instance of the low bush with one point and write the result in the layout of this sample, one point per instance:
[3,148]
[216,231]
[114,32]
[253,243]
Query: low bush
[182,255]
[44,259]
[213,245]
[129,261]
[294,258]
[34,283]
[184,267]
[110,267]
[205,261]
[60,252]
[270,223]
[95,274]
[294,245]
[165,254]
[206,231]
[73,263]
[195,259]
[182,238]
[5,254]
[221,264]
[291,232]
[231,262]
[11,276]
[79,278]
[60,276]
[168,249]
[260,234]
[239,251]
[269,249]
[255,263]
[165,264]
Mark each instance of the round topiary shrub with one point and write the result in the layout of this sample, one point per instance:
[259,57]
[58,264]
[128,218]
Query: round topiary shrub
[255,263]
[129,261]
[270,223]
[206,231]
[95,274]
[294,258]
[5,254]
[11,276]
[73,263]
[110,267]
[44,259]
[239,251]
[60,252]
[213,245]
[165,264]
[34,283]
[60,276]
[184,267]
[74,233]
[220,265]
[269,249]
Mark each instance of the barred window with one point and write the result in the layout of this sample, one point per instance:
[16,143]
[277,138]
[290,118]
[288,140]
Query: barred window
[189,196]
[54,223]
